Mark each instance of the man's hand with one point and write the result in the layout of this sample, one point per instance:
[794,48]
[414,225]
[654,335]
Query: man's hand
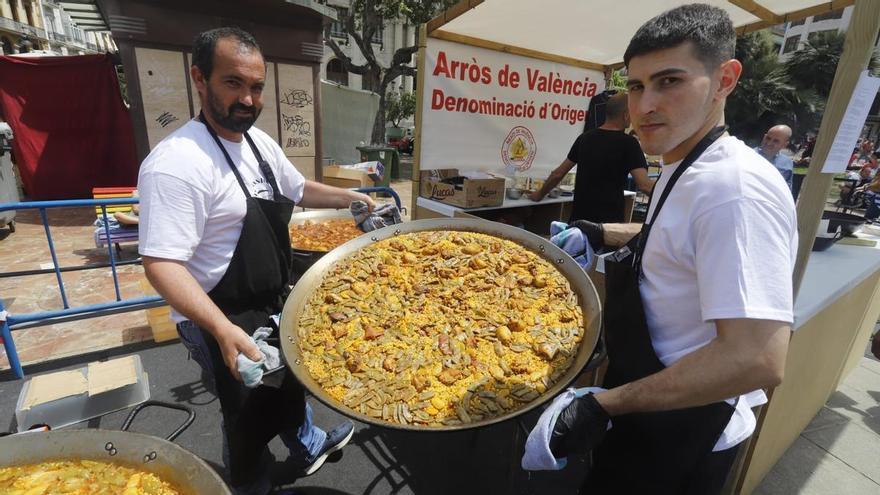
[536,196]
[594,231]
[579,428]
[357,196]
[234,341]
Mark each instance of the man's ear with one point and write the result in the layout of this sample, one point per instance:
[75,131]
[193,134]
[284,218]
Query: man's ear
[198,78]
[729,73]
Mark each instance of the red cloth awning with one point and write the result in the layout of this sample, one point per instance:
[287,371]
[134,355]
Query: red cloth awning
[72,131]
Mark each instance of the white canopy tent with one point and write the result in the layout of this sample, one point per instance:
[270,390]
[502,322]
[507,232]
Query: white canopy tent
[594,34]
[596,31]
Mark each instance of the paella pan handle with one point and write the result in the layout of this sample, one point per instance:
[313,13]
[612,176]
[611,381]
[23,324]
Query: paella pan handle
[174,434]
[599,354]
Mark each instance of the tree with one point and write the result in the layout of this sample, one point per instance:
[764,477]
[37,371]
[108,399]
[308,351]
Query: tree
[811,70]
[813,65]
[364,20]
[764,96]
[399,106]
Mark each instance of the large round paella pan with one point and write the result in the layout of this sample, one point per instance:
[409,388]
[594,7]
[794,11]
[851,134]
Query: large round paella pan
[440,325]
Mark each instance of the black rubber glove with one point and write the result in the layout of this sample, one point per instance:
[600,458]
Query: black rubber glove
[594,231]
[579,428]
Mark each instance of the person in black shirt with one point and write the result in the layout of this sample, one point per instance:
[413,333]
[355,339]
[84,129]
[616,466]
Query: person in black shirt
[604,157]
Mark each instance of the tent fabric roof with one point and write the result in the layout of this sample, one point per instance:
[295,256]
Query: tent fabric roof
[597,31]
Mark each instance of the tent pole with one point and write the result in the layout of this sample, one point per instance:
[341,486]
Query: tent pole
[417,135]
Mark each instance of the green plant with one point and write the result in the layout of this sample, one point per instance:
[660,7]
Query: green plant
[399,106]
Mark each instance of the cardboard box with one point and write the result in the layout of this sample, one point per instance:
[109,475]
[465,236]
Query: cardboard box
[335,175]
[159,319]
[472,193]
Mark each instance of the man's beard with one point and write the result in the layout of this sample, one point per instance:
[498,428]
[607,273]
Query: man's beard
[226,117]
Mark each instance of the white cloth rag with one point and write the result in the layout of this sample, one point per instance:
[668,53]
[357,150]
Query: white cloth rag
[252,371]
[537,455]
[573,241]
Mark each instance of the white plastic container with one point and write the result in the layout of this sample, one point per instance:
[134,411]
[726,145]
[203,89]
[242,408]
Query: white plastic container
[72,409]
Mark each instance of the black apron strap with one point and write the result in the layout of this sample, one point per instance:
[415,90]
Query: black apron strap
[264,167]
[642,238]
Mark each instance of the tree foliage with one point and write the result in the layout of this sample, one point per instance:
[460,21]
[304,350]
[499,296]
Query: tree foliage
[365,19]
[792,93]
[399,106]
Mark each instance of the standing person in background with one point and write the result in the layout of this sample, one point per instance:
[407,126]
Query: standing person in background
[604,157]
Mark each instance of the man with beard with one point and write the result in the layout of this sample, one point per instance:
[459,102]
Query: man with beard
[216,198]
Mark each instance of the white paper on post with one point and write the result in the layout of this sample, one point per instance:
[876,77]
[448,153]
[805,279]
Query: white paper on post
[852,124]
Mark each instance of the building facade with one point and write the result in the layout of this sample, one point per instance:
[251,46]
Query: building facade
[393,35]
[43,26]
[21,26]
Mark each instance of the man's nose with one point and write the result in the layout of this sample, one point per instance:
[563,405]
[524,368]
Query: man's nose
[246,98]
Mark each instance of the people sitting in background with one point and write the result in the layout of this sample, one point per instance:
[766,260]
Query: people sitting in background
[775,139]
[132,218]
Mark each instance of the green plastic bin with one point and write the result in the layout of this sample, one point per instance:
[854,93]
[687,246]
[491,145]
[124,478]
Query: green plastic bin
[389,158]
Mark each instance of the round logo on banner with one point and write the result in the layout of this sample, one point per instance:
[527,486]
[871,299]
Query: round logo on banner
[519,148]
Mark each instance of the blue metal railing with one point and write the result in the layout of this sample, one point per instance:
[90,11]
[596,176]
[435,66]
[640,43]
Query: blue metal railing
[9,322]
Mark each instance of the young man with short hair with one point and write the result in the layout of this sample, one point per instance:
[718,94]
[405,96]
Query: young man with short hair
[698,305]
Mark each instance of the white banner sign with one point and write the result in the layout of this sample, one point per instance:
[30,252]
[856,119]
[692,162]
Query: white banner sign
[493,111]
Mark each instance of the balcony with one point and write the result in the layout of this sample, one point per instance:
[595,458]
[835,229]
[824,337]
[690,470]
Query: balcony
[17,27]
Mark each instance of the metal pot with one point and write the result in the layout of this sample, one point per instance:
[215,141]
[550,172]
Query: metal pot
[577,278]
[171,462]
[303,259]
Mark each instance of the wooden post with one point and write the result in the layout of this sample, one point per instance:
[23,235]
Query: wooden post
[857,49]
[417,135]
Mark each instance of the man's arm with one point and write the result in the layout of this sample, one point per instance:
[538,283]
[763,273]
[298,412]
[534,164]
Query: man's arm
[643,182]
[317,195]
[553,180]
[177,286]
[746,355]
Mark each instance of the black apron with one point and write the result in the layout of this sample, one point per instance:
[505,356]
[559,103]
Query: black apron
[656,452]
[253,288]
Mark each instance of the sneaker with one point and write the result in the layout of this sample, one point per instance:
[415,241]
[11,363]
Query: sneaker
[336,439]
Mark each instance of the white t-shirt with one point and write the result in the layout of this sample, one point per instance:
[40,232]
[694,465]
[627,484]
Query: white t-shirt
[192,207]
[723,246]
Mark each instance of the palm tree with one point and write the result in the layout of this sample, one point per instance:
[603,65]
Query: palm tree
[764,95]
[811,70]
[813,65]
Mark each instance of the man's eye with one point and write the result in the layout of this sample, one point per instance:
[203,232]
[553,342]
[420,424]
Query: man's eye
[635,87]
[668,81]
[232,84]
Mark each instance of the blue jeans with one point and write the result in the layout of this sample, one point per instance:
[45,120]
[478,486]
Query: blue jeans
[302,442]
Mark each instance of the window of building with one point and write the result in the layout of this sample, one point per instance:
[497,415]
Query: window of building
[6,45]
[797,23]
[791,44]
[378,37]
[338,27]
[816,34]
[367,84]
[834,14]
[336,72]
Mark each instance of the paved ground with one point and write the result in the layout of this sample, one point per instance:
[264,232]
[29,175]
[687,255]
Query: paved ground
[839,452]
